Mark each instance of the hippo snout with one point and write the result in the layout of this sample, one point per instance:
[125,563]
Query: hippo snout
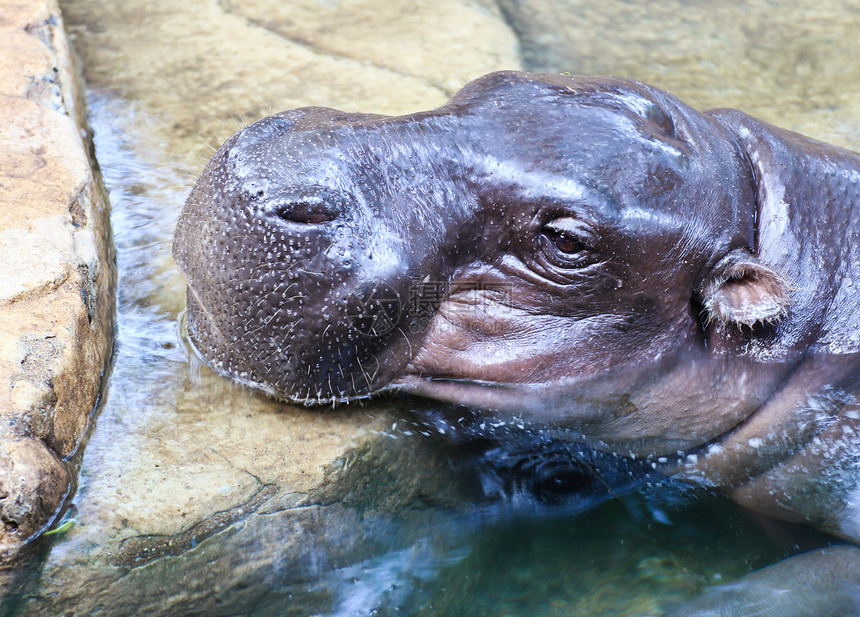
[302,267]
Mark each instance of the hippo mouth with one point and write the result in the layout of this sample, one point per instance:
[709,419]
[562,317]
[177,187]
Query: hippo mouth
[500,397]
[624,406]
[352,360]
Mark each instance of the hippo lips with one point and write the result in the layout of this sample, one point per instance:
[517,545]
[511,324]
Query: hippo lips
[479,394]
[496,396]
[241,378]
[468,392]
[199,325]
[188,324]
[620,407]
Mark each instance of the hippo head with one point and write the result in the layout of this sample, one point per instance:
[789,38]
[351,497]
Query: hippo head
[553,245]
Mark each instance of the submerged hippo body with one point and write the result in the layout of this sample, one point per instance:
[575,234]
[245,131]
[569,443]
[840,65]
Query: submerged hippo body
[587,253]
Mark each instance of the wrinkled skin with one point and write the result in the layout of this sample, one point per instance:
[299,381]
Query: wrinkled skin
[582,253]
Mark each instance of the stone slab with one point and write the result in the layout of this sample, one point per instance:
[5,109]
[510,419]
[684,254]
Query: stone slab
[55,278]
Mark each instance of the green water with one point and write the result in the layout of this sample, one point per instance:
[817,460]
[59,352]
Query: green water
[615,560]
[370,517]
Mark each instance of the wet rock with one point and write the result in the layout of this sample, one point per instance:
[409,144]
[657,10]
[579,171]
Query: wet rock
[55,296]
[230,63]
[784,62]
[445,42]
[30,468]
[240,508]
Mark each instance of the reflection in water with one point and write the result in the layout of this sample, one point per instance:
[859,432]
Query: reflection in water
[393,583]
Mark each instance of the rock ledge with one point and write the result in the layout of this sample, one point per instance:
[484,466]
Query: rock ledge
[56,307]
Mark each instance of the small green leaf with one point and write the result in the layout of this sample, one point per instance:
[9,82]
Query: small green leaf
[62,528]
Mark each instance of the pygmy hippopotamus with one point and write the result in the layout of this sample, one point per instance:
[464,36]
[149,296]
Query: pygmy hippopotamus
[579,252]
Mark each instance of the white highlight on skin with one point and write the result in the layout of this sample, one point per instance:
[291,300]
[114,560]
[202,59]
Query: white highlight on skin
[641,106]
[644,107]
[774,210]
[548,186]
[850,174]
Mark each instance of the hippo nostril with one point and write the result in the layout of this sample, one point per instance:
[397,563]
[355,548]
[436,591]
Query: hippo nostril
[305,212]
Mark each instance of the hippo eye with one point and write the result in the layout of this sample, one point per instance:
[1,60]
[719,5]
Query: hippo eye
[566,242]
[567,245]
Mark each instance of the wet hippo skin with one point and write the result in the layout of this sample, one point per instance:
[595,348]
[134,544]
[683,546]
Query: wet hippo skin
[582,253]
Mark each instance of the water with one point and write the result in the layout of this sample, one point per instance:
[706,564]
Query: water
[257,508]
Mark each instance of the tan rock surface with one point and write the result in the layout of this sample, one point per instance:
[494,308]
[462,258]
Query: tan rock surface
[195,491]
[790,63]
[210,67]
[55,304]
[446,42]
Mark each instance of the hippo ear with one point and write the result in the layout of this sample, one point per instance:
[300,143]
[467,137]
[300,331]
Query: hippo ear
[743,291]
